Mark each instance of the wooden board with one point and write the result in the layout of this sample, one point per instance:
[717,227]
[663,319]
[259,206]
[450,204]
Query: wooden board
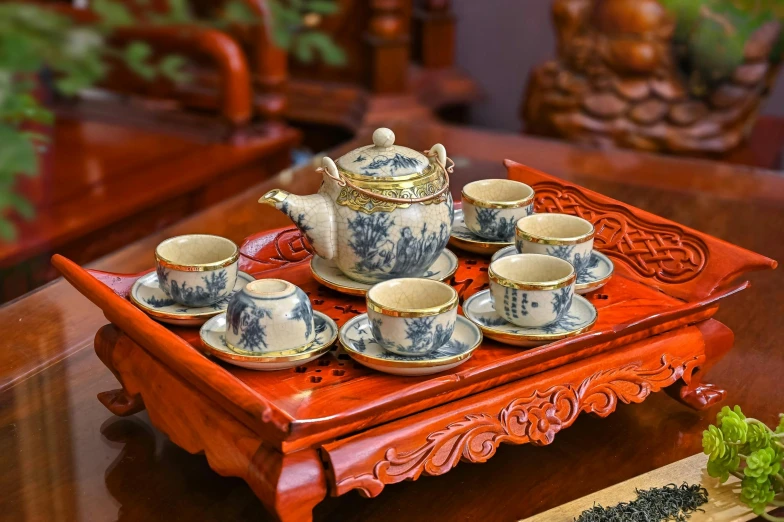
[723,505]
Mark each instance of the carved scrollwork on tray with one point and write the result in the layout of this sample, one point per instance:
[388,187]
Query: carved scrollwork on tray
[273,250]
[534,419]
[660,251]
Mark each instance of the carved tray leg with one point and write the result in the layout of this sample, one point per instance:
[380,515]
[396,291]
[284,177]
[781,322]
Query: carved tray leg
[119,402]
[693,392]
[288,485]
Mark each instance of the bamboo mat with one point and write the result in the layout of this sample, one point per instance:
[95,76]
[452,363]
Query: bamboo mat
[723,505]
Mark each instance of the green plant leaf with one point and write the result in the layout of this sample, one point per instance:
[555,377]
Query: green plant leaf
[7,229]
[239,12]
[23,207]
[136,56]
[326,7]
[112,13]
[172,67]
[179,11]
[17,155]
[323,44]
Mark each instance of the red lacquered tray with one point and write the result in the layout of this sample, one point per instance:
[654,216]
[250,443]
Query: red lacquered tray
[370,429]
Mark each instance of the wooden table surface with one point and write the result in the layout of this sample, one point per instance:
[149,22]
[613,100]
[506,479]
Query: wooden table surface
[64,457]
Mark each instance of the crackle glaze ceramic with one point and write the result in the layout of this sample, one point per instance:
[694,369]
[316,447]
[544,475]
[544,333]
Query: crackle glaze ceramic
[356,337]
[197,270]
[383,211]
[531,290]
[598,271]
[328,274]
[412,317]
[269,315]
[466,240]
[491,207]
[480,309]
[147,295]
[213,338]
[564,236]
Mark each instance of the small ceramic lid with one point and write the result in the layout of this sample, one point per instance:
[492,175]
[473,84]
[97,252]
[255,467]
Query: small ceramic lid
[383,158]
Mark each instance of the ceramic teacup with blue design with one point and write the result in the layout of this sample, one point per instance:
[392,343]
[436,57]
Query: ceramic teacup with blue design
[269,315]
[491,207]
[412,316]
[563,236]
[197,269]
[531,290]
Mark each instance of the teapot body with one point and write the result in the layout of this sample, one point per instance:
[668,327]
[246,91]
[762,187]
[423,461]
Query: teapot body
[387,241]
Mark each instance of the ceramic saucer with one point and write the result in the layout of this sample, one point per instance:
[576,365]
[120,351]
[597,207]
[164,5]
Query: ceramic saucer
[328,274]
[357,339]
[213,337]
[466,240]
[479,309]
[147,295]
[598,272]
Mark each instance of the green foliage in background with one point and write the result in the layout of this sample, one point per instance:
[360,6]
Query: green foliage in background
[747,449]
[710,35]
[35,40]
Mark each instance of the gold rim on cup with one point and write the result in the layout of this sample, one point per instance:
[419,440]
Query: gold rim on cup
[544,240]
[197,267]
[390,311]
[555,284]
[498,204]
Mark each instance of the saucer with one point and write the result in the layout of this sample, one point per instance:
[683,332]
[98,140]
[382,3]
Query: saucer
[213,338]
[357,340]
[466,240]
[479,309]
[598,272]
[147,295]
[328,274]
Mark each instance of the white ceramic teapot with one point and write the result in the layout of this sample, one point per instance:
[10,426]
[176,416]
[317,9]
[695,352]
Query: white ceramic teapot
[383,211]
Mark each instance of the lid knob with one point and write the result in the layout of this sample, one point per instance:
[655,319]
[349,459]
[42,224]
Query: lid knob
[383,138]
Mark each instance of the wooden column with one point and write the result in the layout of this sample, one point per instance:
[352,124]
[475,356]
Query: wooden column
[434,34]
[388,42]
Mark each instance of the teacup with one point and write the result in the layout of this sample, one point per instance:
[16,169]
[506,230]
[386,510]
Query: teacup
[412,316]
[531,290]
[198,269]
[269,315]
[491,207]
[564,236]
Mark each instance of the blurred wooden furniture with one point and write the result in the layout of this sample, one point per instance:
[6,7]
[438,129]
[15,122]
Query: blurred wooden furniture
[64,457]
[617,81]
[112,184]
[400,65]
[237,76]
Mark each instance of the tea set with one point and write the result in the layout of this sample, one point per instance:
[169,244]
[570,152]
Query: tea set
[378,227]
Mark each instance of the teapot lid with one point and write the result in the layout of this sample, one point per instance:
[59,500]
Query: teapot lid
[383,158]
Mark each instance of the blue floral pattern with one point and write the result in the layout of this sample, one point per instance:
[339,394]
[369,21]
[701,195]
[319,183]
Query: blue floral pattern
[245,320]
[410,256]
[387,165]
[491,226]
[215,283]
[419,331]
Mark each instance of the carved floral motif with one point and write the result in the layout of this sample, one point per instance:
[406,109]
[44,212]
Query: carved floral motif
[534,419]
[663,252]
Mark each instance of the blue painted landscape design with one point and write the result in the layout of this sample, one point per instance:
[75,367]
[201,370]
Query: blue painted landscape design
[387,165]
[411,255]
[491,226]
[214,285]
[420,331]
[245,319]
[361,340]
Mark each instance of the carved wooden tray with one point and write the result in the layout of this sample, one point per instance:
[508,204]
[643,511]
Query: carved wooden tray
[667,277]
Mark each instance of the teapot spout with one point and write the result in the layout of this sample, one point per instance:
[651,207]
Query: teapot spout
[313,215]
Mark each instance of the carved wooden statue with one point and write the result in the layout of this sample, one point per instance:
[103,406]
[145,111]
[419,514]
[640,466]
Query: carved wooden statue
[620,79]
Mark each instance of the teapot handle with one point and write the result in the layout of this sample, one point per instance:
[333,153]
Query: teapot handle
[331,170]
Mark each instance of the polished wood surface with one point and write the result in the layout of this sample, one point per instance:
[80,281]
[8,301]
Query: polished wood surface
[112,184]
[67,458]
